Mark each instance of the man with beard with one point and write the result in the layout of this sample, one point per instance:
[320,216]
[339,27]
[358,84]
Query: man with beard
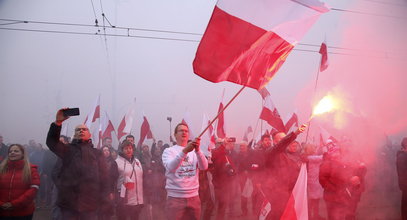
[83,181]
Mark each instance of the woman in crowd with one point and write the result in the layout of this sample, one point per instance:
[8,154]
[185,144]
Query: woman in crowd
[19,183]
[106,212]
[130,183]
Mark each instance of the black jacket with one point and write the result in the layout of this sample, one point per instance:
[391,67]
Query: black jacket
[402,169]
[83,179]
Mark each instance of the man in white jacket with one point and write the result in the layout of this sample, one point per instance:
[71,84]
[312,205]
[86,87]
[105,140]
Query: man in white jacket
[182,162]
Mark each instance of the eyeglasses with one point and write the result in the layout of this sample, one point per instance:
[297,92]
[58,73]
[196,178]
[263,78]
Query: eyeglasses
[81,129]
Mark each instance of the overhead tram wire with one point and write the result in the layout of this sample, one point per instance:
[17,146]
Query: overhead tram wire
[156,38]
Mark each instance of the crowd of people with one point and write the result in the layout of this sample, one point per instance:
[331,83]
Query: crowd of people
[79,181]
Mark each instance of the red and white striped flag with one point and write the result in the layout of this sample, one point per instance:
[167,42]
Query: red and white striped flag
[94,113]
[106,126]
[247,41]
[126,124]
[293,120]
[269,113]
[297,205]
[207,138]
[145,131]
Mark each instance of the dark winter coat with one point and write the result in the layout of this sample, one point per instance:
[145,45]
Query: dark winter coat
[83,178]
[402,170]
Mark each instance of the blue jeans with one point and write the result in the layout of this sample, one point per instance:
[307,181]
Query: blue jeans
[183,208]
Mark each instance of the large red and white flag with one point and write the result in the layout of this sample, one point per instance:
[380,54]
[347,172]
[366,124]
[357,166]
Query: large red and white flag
[324,57]
[145,131]
[220,128]
[292,122]
[94,113]
[187,120]
[269,112]
[297,206]
[247,41]
[126,124]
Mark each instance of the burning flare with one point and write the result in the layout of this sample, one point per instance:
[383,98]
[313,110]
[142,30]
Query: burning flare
[326,104]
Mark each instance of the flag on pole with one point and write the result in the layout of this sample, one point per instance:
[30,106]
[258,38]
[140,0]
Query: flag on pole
[94,113]
[293,120]
[207,139]
[247,41]
[126,123]
[145,131]
[220,128]
[326,137]
[324,57]
[269,112]
[106,126]
[297,205]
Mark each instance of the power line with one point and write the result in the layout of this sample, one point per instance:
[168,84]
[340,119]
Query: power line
[155,38]
[162,31]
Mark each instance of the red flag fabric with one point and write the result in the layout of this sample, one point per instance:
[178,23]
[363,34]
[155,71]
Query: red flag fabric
[292,121]
[270,114]
[297,205]
[107,126]
[145,131]
[247,41]
[94,113]
[126,123]
[324,57]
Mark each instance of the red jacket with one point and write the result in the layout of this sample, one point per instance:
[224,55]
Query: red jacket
[19,193]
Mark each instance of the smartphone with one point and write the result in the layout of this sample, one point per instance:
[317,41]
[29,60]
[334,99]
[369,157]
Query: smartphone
[71,112]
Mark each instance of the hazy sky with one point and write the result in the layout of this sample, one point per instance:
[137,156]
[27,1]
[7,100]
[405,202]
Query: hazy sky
[42,72]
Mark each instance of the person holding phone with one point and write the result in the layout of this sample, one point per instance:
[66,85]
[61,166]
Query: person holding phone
[130,183]
[83,179]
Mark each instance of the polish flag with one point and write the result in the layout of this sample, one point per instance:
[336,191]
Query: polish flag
[326,137]
[297,205]
[145,131]
[247,41]
[269,112]
[324,57]
[207,138]
[187,120]
[246,133]
[220,128]
[106,126]
[126,123]
[292,121]
[94,114]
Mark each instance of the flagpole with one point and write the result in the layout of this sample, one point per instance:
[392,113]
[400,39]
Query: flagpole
[221,111]
[315,91]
